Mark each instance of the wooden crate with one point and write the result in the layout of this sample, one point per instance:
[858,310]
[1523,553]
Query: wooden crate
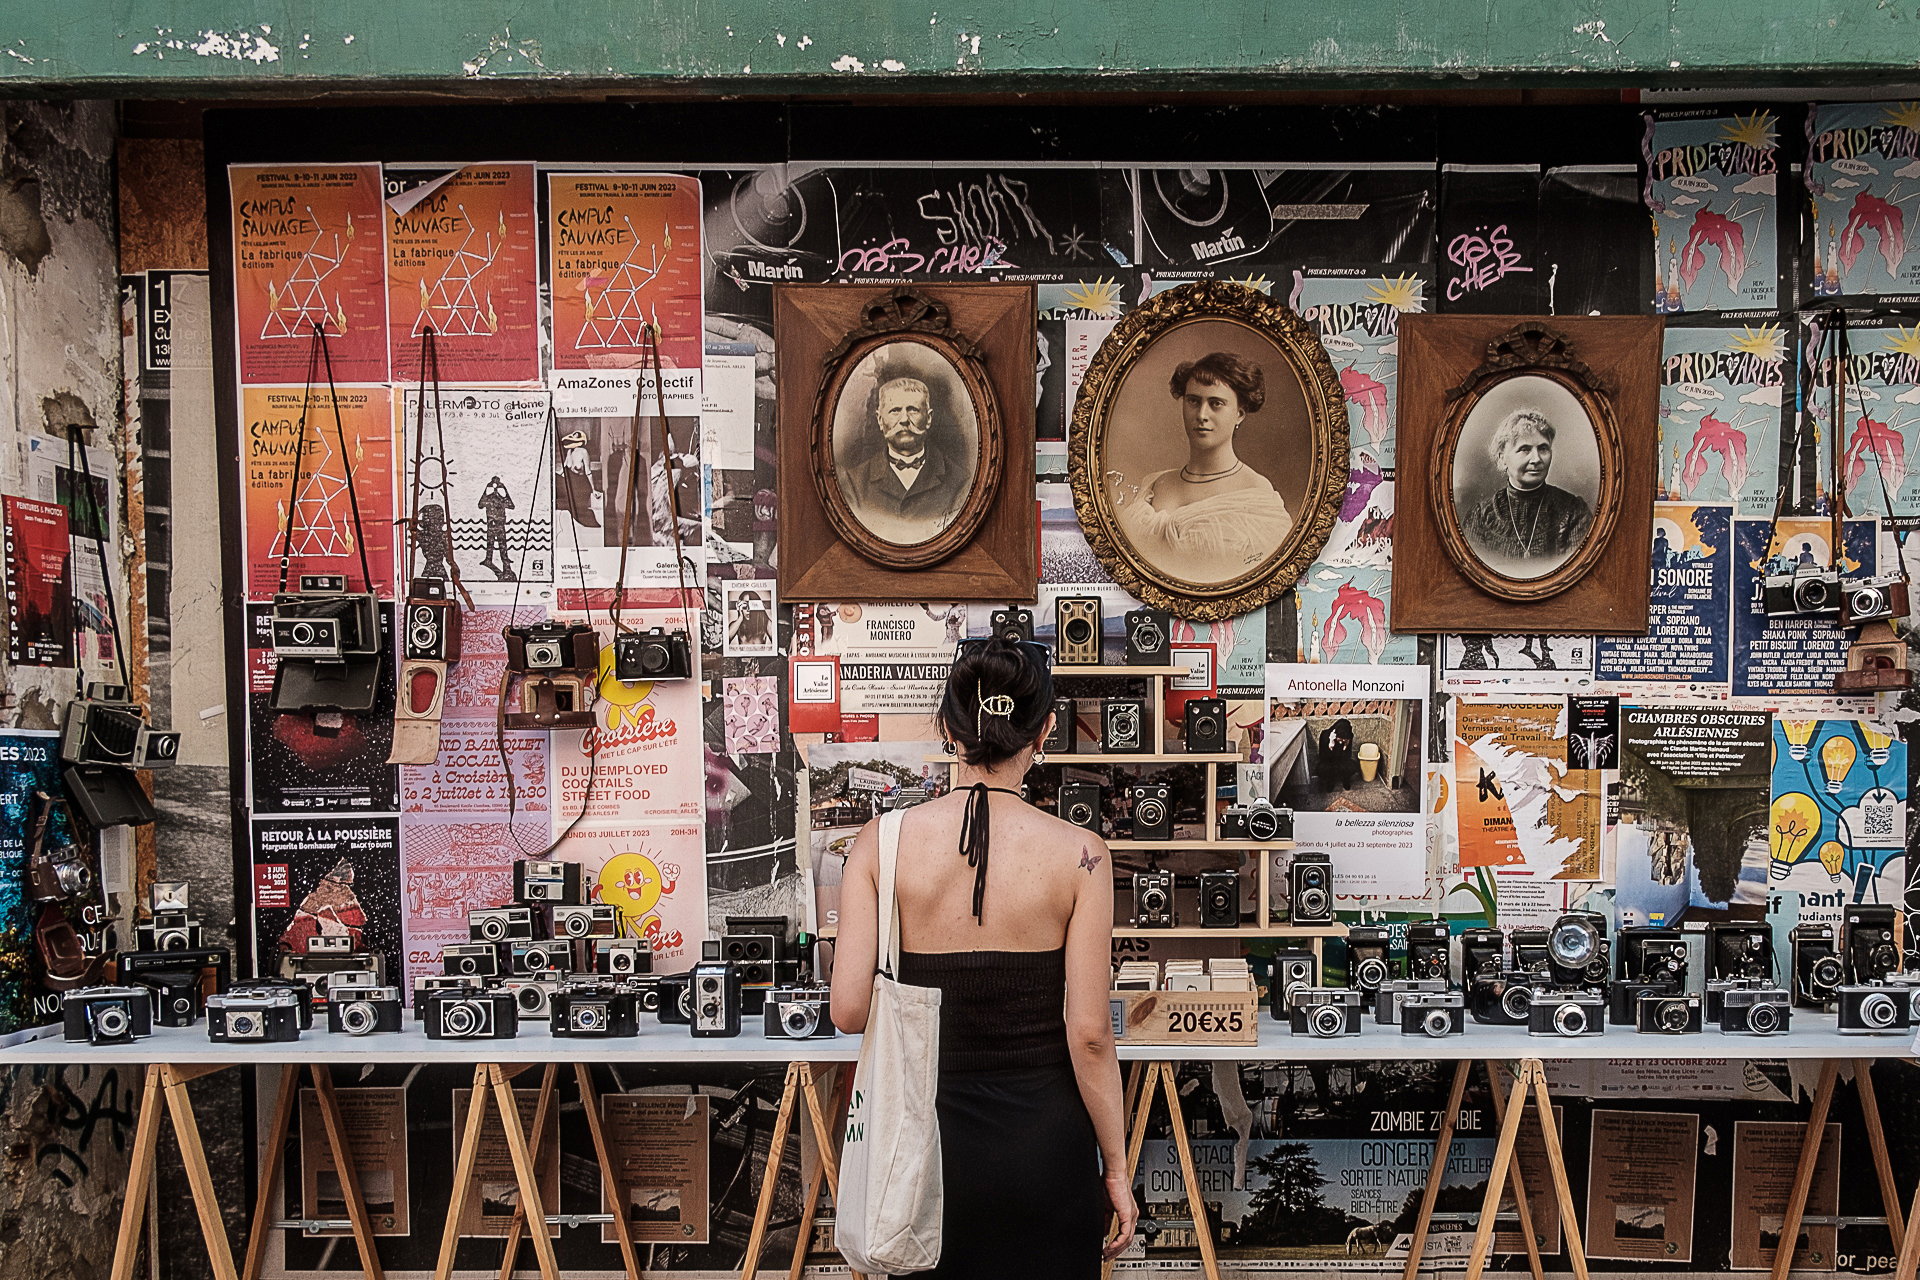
[1186,1017]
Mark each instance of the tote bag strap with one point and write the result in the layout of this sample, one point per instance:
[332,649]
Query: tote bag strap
[889,917]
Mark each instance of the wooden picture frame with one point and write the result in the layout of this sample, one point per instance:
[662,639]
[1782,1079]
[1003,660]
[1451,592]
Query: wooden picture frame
[935,376]
[1526,473]
[1209,372]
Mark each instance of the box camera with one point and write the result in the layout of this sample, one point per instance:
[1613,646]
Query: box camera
[1564,1012]
[54,873]
[107,1015]
[1817,968]
[675,998]
[1146,631]
[105,727]
[1368,966]
[162,968]
[594,920]
[1481,952]
[799,1013]
[1205,726]
[595,1010]
[266,1017]
[622,957]
[470,960]
[549,647]
[653,654]
[1076,622]
[1433,1013]
[1386,1004]
[1061,739]
[1755,1011]
[500,924]
[426,984]
[1219,899]
[1012,623]
[541,959]
[1429,953]
[360,1011]
[1153,906]
[300,992]
[1256,821]
[1808,591]
[1623,998]
[1577,952]
[547,883]
[1124,727]
[714,995]
[1079,804]
[471,1015]
[1740,950]
[1874,1008]
[1325,1012]
[329,944]
[1503,999]
[175,995]
[433,622]
[1872,599]
[1651,955]
[1152,804]
[329,646]
[1667,1014]
[1869,945]
[1292,971]
[1310,887]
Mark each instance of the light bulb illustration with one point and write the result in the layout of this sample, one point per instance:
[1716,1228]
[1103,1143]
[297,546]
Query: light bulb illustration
[1832,854]
[1877,744]
[1837,755]
[1792,823]
[1799,733]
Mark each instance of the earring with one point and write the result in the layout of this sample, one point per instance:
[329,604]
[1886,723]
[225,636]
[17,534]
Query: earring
[1039,758]
[949,748]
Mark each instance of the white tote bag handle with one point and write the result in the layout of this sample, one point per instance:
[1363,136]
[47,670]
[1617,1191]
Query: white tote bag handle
[888,961]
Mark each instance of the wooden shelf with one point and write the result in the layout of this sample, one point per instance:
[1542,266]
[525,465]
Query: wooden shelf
[1243,931]
[1117,669]
[1233,846]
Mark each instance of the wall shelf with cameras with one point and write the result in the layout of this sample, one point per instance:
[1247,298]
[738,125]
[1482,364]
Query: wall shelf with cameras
[1240,931]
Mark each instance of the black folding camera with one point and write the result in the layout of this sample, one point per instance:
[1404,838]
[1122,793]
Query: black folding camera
[1429,953]
[55,872]
[1481,952]
[1755,1011]
[500,924]
[1530,952]
[1013,623]
[363,1010]
[1808,591]
[1079,803]
[260,1016]
[1873,1008]
[1146,637]
[175,995]
[1219,899]
[1206,726]
[105,727]
[470,960]
[1433,1013]
[654,654]
[1562,1012]
[1152,804]
[594,920]
[471,1015]
[714,994]
[1503,998]
[1310,887]
[107,1015]
[547,883]
[1623,998]
[1325,1012]
[1124,726]
[1651,955]
[433,622]
[1667,1013]
[1872,599]
[1292,971]
[1817,967]
[1740,950]
[1256,821]
[1153,906]
[1076,622]
[594,1010]
[799,1013]
[1869,946]
[1368,965]
[329,646]
[1577,952]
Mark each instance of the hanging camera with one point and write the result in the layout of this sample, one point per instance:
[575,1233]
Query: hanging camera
[59,872]
[105,737]
[328,641]
[654,654]
[1146,632]
[556,668]
[1013,623]
[433,621]
[1205,726]
[1076,622]
[1872,599]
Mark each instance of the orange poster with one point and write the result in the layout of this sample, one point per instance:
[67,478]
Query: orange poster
[325,539]
[307,251]
[1521,808]
[461,258]
[625,253]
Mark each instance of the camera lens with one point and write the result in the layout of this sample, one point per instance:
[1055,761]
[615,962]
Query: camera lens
[1080,813]
[1673,1017]
[242,1024]
[1570,1019]
[1079,630]
[578,923]
[493,929]
[1327,1020]
[530,998]
[111,1020]
[1313,902]
[302,633]
[620,962]
[1827,972]
[1811,595]
[586,1017]
[1863,601]
[422,616]
[459,1019]
[1263,824]
[1763,1019]
[1150,813]
[1884,959]
[800,1020]
[1153,901]
[1370,973]
[1437,1023]
[356,1018]
[1877,1010]
[1574,943]
[653,657]
[1515,1002]
[1312,878]
[469,965]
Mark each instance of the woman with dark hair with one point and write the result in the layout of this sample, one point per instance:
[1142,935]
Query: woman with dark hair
[1014,928]
[1215,518]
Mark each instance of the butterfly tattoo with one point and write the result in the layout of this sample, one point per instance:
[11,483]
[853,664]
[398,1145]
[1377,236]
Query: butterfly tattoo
[1088,859]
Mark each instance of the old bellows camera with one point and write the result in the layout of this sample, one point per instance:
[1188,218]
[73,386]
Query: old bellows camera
[107,1015]
[1205,726]
[1740,950]
[1651,955]
[1817,967]
[1428,951]
[1153,906]
[328,643]
[1869,947]
[1872,599]
[1152,810]
[1808,591]
[1368,963]
[105,727]
[655,654]
[1146,632]
[1013,623]
[262,1016]
[1310,887]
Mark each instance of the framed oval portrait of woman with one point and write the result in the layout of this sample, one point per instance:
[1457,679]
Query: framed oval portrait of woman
[1208,452]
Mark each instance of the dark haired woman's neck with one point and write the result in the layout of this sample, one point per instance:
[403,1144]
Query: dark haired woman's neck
[1006,775]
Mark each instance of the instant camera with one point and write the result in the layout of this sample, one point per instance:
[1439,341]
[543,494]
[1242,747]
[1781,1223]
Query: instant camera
[105,738]
[328,641]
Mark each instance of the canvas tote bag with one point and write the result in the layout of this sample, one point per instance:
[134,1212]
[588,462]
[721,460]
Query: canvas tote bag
[887,1215]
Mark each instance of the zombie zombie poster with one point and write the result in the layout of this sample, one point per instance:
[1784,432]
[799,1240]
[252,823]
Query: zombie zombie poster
[624,255]
[1881,429]
[308,254]
[1721,396]
[1711,190]
[342,498]
[343,874]
[1863,183]
[462,260]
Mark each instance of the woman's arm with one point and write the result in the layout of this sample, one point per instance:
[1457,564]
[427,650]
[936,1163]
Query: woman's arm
[1090,1028]
[856,948]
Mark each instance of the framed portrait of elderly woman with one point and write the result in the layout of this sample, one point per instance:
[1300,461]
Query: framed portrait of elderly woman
[1208,452]
[906,413]
[1535,503]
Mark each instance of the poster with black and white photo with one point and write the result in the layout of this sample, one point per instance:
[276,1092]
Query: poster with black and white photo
[373,1123]
[1766,1157]
[485,494]
[597,450]
[493,1189]
[1640,1177]
[657,1144]
[1515,664]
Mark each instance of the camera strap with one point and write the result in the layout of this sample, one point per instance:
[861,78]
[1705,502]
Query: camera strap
[100,549]
[317,354]
[629,510]
[1842,360]
[666,459]
[430,357]
[1837,417]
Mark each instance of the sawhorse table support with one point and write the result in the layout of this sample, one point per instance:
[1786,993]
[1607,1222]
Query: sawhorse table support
[801,1087]
[493,1076]
[1899,1226]
[1444,1144]
[590,1103]
[1146,1079]
[271,1165]
[1530,1077]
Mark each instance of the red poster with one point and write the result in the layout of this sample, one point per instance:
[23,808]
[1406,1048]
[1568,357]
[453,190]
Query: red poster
[325,538]
[625,253]
[461,258]
[39,584]
[308,250]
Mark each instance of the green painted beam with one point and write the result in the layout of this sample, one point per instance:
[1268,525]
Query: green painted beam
[226,48]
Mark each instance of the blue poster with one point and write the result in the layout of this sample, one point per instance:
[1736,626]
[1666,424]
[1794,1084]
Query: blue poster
[1711,189]
[30,763]
[1863,179]
[1837,824]
[1343,617]
[1687,603]
[1720,416]
[1881,431]
[1356,313]
[1790,656]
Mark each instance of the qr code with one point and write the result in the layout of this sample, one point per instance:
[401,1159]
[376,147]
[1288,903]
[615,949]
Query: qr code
[1879,821]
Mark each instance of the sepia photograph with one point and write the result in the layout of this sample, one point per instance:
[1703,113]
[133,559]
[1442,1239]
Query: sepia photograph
[1526,476]
[906,442]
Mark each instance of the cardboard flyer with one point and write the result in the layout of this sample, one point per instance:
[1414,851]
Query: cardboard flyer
[1711,188]
[326,537]
[462,260]
[623,253]
[39,581]
[1640,1178]
[309,250]
[1521,806]
[374,1125]
[1863,159]
[1485,663]
[657,1144]
[1723,398]
[1688,603]
[494,1190]
[1765,1157]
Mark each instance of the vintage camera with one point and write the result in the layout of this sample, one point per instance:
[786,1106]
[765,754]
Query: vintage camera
[1566,1012]
[1076,622]
[1869,946]
[799,1013]
[654,654]
[1651,955]
[675,998]
[1152,804]
[1577,952]
[58,873]
[596,1009]
[329,944]
[1433,1013]
[547,647]
[1808,591]
[1482,951]
[595,920]
[1756,1011]
[1872,599]
[426,984]
[1325,1012]
[1061,738]
[1153,906]
[363,1010]
[471,1015]
[1310,887]
[267,1017]
[105,727]
[558,665]
[622,957]
[500,924]
[175,994]
[301,993]
[1717,989]
[470,960]
[1668,1013]
[714,994]
[541,959]
[532,997]
[754,955]
[1740,950]
[1146,631]
[1817,967]
[1502,999]
[1530,951]
[1873,1008]
[170,973]
[1386,1005]
[1219,899]
[170,927]
[107,1015]
[1012,623]
[1205,726]
[1428,950]
[547,883]
[329,646]
[1368,966]
[1623,998]
[1257,821]
[1124,726]
[433,622]
[1079,804]
[1292,971]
